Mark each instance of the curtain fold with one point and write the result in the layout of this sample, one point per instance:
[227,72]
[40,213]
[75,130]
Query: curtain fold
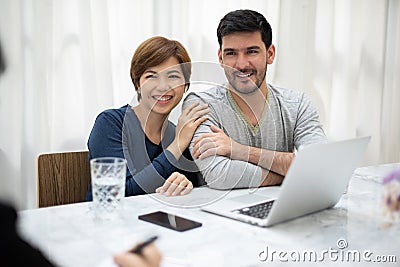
[389,150]
[67,60]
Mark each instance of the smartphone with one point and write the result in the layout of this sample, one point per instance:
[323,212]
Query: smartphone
[170,221]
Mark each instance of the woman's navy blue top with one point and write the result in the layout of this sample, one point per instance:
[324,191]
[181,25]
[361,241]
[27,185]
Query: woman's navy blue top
[118,133]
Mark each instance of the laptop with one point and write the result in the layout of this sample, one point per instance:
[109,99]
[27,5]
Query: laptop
[316,180]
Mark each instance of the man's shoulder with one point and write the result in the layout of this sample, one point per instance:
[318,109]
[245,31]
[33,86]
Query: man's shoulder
[286,95]
[210,95]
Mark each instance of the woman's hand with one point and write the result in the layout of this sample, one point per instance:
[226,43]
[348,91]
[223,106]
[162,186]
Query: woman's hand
[149,257]
[176,184]
[188,122]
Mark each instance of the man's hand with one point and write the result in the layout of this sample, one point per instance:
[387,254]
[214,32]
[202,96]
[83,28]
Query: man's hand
[215,143]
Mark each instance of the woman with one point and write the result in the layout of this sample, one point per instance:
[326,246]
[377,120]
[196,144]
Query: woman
[155,150]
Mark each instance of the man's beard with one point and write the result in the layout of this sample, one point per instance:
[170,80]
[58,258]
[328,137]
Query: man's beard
[245,89]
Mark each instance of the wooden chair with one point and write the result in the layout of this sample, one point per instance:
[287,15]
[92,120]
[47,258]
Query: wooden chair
[62,178]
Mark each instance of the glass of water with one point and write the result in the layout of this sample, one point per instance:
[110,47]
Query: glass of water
[108,186]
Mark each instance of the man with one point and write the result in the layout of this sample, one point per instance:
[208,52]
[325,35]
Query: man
[253,127]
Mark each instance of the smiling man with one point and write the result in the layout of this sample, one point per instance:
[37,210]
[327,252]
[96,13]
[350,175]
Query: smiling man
[253,127]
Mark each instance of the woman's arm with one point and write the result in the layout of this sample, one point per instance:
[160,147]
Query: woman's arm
[188,121]
[106,140]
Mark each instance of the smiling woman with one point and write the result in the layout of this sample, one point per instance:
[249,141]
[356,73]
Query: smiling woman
[155,149]
[155,93]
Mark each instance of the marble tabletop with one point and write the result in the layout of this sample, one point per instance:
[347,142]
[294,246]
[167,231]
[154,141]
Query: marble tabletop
[353,233]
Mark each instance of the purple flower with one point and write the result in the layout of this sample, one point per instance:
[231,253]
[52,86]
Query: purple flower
[394,175]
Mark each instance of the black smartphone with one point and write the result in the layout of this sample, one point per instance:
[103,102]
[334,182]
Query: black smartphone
[170,221]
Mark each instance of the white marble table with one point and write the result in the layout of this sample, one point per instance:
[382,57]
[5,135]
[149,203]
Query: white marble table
[70,236]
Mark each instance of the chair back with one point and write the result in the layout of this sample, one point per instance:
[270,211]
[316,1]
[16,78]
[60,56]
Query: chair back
[62,178]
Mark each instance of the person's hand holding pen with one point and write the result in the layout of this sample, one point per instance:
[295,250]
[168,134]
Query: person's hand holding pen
[142,255]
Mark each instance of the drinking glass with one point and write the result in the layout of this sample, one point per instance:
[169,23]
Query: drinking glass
[108,186]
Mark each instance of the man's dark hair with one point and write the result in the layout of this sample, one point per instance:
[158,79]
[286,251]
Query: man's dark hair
[244,20]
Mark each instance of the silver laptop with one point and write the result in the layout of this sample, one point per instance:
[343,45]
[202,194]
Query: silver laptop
[316,179]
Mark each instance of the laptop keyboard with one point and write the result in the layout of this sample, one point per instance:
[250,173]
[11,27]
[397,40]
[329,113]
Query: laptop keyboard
[259,211]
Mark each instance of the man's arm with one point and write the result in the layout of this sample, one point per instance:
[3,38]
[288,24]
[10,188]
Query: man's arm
[308,129]
[271,178]
[274,165]
[222,172]
[219,143]
[275,161]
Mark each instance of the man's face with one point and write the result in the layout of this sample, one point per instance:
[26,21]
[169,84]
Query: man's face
[244,58]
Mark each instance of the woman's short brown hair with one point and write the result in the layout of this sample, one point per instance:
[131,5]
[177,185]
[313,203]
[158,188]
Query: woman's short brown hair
[153,52]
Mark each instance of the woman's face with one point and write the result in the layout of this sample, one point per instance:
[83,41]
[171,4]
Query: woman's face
[162,86]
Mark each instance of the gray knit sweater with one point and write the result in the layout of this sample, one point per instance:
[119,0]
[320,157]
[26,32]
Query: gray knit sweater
[289,121]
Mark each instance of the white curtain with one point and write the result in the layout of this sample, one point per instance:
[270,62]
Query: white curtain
[67,60]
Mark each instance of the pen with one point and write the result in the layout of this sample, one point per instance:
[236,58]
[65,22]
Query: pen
[138,249]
